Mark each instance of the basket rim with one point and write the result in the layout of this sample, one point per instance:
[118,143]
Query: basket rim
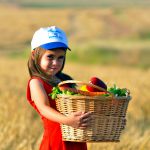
[82,83]
[100,97]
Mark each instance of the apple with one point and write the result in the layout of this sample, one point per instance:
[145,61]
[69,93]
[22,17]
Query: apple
[98,82]
[64,86]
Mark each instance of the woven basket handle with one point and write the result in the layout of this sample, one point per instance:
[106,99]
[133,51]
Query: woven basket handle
[82,83]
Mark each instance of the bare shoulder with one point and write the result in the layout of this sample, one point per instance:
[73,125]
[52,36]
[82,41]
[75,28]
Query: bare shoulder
[36,84]
[37,90]
[38,93]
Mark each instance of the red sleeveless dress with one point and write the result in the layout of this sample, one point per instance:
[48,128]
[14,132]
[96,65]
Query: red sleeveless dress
[52,137]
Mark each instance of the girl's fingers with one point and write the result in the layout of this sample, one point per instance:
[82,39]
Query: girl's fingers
[85,115]
[82,128]
[84,124]
[86,120]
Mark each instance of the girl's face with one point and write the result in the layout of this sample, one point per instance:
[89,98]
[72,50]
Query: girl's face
[51,61]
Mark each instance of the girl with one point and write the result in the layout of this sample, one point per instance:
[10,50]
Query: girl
[48,52]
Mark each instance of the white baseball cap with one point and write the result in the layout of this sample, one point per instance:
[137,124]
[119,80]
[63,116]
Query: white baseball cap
[49,38]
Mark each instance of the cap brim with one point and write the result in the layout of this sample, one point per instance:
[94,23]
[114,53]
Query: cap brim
[54,45]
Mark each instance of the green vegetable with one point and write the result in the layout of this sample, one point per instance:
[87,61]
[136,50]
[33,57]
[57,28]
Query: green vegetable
[114,90]
[118,91]
[56,91]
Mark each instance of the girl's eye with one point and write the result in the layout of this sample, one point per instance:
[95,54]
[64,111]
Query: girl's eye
[50,56]
[61,57]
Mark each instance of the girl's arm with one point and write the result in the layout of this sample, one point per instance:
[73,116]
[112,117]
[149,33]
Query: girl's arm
[39,96]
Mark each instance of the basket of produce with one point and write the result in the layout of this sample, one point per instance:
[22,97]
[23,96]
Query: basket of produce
[108,107]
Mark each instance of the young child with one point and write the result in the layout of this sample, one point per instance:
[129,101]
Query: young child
[48,52]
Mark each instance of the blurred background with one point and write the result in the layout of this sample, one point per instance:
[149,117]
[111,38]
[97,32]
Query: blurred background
[109,39]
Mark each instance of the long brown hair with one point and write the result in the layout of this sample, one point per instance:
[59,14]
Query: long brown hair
[35,70]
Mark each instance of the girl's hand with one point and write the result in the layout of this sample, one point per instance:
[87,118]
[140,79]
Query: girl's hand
[79,120]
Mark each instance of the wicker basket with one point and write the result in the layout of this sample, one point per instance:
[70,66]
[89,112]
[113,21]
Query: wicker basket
[108,115]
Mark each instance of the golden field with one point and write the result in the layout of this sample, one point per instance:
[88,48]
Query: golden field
[89,31]
[96,26]
[21,128]
[95,30]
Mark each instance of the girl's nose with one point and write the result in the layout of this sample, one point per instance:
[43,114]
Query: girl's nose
[55,61]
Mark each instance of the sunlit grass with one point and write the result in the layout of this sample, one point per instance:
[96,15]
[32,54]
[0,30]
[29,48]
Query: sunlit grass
[23,127]
[106,35]
[112,44]
[114,27]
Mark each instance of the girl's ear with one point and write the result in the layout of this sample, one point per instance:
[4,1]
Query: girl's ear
[32,54]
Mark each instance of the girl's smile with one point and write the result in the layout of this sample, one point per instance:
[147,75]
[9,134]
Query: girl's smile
[51,61]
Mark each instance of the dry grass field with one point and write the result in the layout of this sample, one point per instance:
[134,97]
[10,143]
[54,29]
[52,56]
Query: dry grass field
[98,30]
[21,128]
[96,26]
[101,34]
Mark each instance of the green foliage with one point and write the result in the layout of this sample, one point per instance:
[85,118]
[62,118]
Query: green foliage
[118,91]
[144,35]
[109,55]
[79,3]
[94,55]
[56,91]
